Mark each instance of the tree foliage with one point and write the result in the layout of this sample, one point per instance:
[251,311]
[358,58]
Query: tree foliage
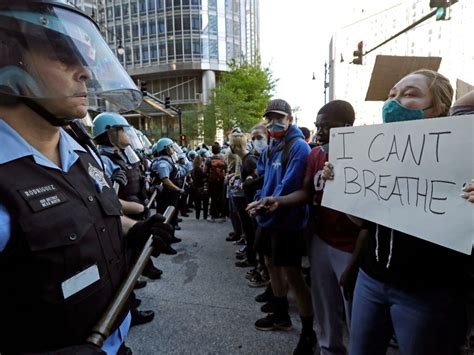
[239,98]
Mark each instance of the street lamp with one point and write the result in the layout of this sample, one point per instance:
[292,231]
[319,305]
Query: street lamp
[120,49]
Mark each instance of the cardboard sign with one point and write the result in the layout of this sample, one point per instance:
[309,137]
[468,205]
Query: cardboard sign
[407,176]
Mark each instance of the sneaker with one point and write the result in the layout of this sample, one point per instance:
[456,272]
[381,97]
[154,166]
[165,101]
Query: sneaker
[306,344]
[249,275]
[274,322]
[241,250]
[245,263]
[232,238]
[266,296]
[257,281]
[241,241]
[241,256]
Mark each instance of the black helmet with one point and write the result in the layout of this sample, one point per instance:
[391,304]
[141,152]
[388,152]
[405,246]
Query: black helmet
[61,32]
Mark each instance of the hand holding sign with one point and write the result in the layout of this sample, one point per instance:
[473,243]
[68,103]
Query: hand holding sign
[407,176]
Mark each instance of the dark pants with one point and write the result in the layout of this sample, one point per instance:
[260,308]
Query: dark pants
[216,192]
[248,226]
[168,198]
[201,201]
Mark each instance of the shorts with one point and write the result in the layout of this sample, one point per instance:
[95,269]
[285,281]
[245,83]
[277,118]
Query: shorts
[285,247]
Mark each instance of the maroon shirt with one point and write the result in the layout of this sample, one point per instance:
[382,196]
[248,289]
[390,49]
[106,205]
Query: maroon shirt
[332,226]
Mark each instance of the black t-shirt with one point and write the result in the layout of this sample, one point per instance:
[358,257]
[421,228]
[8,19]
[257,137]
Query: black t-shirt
[411,263]
[249,165]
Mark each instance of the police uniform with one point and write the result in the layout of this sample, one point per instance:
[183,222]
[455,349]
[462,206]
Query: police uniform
[163,167]
[62,255]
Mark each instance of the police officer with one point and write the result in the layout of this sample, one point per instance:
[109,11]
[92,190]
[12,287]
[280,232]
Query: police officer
[108,131]
[62,255]
[165,170]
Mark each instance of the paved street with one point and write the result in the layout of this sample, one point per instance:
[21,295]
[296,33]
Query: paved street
[203,304]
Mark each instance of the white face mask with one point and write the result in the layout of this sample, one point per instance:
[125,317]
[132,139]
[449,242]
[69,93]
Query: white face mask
[259,145]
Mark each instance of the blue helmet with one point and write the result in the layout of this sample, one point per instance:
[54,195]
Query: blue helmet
[105,121]
[161,145]
[192,154]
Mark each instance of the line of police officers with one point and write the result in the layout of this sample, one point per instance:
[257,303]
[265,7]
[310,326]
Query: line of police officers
[66,240]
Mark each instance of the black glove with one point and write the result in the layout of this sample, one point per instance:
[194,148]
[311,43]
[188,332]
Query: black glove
[140,232]
[120,177]
[85,349]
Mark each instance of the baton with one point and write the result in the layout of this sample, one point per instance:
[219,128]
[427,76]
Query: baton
[152,198]
[116,187]
[102,329]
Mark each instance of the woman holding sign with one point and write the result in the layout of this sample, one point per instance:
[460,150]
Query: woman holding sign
[408,286]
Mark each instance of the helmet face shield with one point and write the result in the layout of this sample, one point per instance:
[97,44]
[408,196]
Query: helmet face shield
[33,35]
[135,142]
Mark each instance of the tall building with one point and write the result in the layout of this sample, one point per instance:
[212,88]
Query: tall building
[446,39]
[178,47]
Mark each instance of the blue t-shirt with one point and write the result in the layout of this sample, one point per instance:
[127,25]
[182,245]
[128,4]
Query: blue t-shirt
[15,147]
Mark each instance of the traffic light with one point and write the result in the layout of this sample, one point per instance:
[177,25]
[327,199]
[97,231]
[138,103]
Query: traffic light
[182,138]
[143,87]
[359,53]
[167,102]
[443,8]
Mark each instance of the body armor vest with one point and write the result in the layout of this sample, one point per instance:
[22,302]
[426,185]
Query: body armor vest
[134,188]
[61,224]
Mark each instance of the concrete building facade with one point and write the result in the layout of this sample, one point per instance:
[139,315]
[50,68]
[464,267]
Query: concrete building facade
[446,39]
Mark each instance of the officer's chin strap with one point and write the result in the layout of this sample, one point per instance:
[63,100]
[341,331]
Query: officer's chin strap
[48,116]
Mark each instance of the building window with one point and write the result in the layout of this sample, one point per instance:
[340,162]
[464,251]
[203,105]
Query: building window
[110,13]
[135,30]
[152,27]
[117,11]
[145,53]
[151,5]
[125,11]
[136,55]
[186,24]
[142,5]
[118,32]
[170,50]
[196,47]
[153,52]
[159,4]
[161,25]
[212,4]
[179,49]
[127,32]
[177,24]
[212,24]
[213,49]
[187,49]
[196,23]
[162,49]
[133,7]
[195,3]
[128,55]
[143,29]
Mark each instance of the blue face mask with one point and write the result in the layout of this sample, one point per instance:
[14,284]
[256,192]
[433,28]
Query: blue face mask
[393,111]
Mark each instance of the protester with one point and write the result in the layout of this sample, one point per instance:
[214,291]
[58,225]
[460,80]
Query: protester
[407,285]
[281,237]
[216,169]
[200,191]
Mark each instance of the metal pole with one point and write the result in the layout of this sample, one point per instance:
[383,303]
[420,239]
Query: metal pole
[103,328]
[181,142]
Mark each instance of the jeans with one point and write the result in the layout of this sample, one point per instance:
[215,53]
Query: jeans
[427,322]
[330,306]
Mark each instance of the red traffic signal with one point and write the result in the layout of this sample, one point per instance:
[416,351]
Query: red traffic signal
[182,137]
[359,53]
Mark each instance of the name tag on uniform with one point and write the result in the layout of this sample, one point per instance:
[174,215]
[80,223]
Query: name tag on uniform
[80,281]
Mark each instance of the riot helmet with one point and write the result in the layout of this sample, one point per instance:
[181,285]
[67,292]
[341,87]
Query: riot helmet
[34,33]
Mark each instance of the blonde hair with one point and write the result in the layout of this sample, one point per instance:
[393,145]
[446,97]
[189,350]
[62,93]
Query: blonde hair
[238,140]
[440,88]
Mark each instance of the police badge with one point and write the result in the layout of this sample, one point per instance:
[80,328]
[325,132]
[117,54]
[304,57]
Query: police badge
[98,176]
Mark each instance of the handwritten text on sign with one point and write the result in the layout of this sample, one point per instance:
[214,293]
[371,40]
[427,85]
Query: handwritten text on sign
[407,176]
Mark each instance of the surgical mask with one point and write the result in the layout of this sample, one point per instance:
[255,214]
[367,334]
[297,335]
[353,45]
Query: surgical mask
[259,145]
[277,130]
[393,111]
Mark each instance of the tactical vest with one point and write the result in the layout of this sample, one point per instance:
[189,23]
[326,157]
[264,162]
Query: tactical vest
[61,224]
[134,186]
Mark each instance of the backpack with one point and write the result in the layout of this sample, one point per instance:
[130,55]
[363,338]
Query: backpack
[217,170]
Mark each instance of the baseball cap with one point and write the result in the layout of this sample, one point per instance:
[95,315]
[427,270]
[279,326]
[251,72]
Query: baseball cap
[278,106]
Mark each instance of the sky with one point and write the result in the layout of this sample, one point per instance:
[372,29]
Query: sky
[294,43]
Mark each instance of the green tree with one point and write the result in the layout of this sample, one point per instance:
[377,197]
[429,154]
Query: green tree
[239,98]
